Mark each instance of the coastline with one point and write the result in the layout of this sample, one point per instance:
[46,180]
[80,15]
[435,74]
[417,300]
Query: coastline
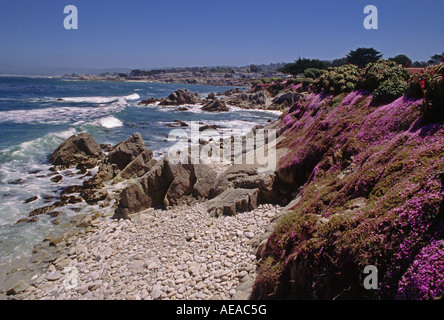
[178,253]
[43,274]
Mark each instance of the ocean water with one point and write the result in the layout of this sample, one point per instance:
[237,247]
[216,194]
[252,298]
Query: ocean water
[34,121]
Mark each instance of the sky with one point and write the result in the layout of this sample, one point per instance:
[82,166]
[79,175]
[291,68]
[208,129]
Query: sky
[177,33]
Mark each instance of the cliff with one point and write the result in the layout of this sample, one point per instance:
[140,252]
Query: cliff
[368,176]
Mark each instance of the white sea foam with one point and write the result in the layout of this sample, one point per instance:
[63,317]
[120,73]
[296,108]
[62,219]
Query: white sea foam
[61,115]
[108,122]
[99,99]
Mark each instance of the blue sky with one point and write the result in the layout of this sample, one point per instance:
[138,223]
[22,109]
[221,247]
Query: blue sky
[148,34]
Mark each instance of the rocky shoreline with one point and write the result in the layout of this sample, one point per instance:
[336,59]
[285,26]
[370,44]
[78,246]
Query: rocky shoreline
[163,230]
[180,253]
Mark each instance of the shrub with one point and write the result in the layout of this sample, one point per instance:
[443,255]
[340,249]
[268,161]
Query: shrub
[300,65]
[312,73]
[390,90]
[429,84]
[338,80]
[374,74]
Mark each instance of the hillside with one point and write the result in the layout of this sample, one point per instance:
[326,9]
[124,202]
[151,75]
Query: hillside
[368,177]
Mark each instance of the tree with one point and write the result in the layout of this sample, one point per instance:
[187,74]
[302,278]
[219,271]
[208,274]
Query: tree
[419,64]
[300,65]
[339,62]
[436,59]
[403,60]
[362,56]
[254,68]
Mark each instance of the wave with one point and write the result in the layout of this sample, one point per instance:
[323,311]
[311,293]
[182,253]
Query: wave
[62,115]
[108,122]
[99,99]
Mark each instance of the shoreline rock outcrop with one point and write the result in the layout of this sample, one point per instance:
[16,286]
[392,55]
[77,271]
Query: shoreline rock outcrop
[181,97]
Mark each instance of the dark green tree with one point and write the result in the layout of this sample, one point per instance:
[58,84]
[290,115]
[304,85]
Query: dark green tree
[436,59]
[300,65]
[339,62]
[362,56]
[403,60]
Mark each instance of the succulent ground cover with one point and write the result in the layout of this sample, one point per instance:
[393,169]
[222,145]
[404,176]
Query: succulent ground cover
[370,176]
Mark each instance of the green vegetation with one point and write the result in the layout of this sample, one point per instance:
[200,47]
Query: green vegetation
[338,80]
[362,56]
[370,187]
[403,60]
[300,65]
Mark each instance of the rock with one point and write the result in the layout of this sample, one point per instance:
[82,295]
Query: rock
[265,184]
[232,201]
[19,287]
[72,189]
[92,196]
[17,182]
[285,99]
[205,177]
[177,123]
[126,151]
[156,293]
[138,167]
[147,101]
[35,171]
[215,106]
[47,209]
[232,92]
[191,181]
[57,179]
[77,149]
[32,199]
[147,191]
[183,109]
[213,127]
[180,187]
[228,178]
[53,276]
[181,97]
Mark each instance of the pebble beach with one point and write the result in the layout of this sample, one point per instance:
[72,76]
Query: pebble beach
[179,253]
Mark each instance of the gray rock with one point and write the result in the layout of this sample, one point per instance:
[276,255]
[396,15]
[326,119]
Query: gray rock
[53,276]
[181,97]
[156,293]
[138,167]
[232,201]
[126,151]
[147,191]
[215,106]
[77,149]
[19,287]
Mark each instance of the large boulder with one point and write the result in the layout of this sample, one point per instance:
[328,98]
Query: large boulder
[138,167]
[286,98]
[166,184]
[79,149]
[126,151]
[247,100]
[180,97]
[246,177]
[192,182]
[147,191]
[215,106]
[233,201]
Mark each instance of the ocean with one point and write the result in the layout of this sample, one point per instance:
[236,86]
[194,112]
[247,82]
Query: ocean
[37,114]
